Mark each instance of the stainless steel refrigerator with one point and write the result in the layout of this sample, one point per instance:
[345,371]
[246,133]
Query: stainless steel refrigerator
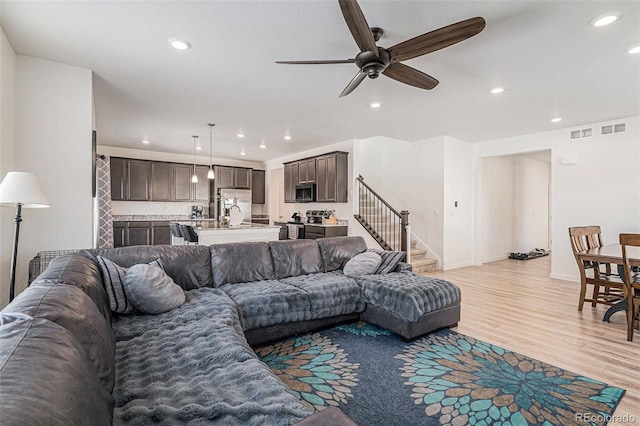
[226,198]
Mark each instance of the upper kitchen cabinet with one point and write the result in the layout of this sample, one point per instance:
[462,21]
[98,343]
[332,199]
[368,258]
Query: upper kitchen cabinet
[233,177]
[182,188]
[307,171]
[139,172]
[332,177]
[291,176]
[118,178]
[201,188]
[161,181]
[257,187]
[329,172]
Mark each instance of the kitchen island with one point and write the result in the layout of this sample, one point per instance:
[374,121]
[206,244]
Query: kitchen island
[211,232]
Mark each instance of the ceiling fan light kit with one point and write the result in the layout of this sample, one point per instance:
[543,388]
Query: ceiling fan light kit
[374,60]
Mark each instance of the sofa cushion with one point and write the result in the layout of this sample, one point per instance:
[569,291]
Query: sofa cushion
[362,264]
[390,259]
[295,257]
[46,377]
[70,308]
[265,303]
[408,295]
[329,293]
[192,365]
[336,251]
[189,266]
[151,290]
[113,277]
[80,272]
[240,263]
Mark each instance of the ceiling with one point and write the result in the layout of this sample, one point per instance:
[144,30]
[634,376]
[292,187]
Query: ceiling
[545,54]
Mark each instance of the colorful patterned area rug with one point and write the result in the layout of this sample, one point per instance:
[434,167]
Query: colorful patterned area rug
[443,378]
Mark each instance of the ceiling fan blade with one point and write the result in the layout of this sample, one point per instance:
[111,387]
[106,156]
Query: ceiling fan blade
[320,62]
[436,39]
[411,76]
[358,25]
[355,82]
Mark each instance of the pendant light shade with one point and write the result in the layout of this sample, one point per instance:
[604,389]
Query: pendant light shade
[210,174]
[194,178]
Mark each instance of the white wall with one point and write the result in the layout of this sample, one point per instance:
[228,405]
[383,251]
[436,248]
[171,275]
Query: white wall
[7,138]
[496,210]
[457,204]
[531,208]
[53,140]
[603,188]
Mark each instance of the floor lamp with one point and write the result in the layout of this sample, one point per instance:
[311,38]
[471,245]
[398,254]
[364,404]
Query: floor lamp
[20,189]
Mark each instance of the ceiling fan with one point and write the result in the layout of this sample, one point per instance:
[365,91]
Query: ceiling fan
[373,60]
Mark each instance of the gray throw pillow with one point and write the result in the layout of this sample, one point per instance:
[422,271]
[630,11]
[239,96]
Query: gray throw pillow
[390,259]
[362,264]
[113,279]
[151,290]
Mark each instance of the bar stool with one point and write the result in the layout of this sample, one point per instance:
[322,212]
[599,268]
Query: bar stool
[177,238]
[189,234]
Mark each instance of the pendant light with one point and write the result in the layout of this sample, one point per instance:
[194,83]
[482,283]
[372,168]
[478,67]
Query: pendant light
[194,178]
[210,174]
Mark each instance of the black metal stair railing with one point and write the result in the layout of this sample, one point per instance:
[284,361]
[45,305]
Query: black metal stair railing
[384,223]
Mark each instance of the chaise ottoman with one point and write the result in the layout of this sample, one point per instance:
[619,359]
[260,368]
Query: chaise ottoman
[410,305]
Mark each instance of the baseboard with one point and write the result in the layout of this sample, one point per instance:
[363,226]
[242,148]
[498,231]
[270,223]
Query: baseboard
[496,258]
[563,277]
[459,265]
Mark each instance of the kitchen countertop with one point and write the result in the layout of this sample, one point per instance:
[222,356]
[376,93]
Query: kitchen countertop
[156,218]
[215,226]
[328,225]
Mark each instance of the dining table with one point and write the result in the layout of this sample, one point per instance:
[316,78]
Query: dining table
[612,253]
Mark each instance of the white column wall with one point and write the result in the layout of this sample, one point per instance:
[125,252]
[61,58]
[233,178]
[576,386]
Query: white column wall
[53,140]
[531,204]
[7,138]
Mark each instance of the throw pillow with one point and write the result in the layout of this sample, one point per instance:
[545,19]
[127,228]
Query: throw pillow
[113,278]
[151,290]
[362,264]
[390,260]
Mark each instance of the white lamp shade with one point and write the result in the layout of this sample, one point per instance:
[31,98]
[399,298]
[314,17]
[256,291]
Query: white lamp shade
[22,188]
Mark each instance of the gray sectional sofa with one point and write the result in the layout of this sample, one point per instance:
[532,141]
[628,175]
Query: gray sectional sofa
[65,358]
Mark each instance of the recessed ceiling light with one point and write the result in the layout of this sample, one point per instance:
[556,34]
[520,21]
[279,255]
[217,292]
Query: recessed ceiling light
[198,147]
[262,145]
[605,19]
[240,135]
[179,44]
[145,141]
[375,104]
[287,138]
[243,153]
[497,90]
[556,120]
[634,49]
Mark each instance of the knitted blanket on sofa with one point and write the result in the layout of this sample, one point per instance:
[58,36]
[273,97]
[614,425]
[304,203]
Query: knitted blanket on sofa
[192,365]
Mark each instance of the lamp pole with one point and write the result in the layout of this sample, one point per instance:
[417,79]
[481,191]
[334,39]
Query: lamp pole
[14,256]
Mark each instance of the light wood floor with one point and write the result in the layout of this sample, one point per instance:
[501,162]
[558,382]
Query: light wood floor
[514,304]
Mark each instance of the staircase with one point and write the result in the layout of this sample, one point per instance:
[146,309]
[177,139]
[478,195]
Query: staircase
[389,227]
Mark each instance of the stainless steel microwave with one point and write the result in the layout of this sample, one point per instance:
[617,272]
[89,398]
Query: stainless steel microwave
[306,193]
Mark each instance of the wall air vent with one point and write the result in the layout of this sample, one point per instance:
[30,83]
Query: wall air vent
[620,127]
[583,133]
[606,130]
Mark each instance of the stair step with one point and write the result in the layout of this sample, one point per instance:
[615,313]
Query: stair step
[424,265]
[418,254]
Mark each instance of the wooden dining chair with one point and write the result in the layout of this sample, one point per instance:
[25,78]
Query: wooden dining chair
[608,288]
[632,284]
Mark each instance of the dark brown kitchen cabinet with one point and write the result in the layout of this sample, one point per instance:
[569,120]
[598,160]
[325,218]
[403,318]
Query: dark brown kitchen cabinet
[182,187]
[257,187]
[307,171]
[118,179]
[138,234]
[332,178]
[161,181]
[119,234]
[160,233]
[312,232]
[291,175]
[233,177]
[139,177]
[201,188]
